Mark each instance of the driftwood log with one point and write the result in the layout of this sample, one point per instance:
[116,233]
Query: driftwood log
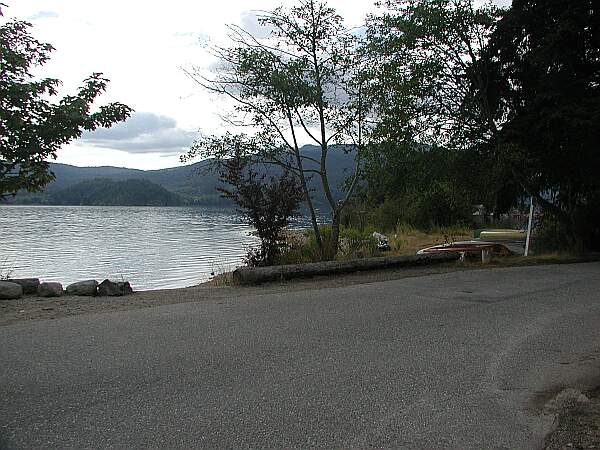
[257,275]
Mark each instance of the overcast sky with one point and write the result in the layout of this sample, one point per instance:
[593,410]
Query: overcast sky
[141,47]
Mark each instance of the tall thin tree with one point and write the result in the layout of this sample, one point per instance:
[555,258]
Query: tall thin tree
[300,83]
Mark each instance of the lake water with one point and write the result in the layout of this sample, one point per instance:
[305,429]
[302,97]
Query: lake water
[151,247]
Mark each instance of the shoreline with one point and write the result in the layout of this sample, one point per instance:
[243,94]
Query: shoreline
[35,308]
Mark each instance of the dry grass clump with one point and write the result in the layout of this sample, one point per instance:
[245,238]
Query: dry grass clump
[407,240]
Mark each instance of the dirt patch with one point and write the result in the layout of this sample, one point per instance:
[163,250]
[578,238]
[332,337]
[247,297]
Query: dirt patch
[38,308]
[577,425]
[535,404]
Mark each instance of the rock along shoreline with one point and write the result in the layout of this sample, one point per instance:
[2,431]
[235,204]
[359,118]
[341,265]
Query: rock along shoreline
[16,288]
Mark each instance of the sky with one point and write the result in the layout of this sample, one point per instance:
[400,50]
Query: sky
[142,47]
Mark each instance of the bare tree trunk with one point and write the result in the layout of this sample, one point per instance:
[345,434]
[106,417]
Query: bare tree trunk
[335,235]
[307,197]
[574,233]
[311,208]
[331,251]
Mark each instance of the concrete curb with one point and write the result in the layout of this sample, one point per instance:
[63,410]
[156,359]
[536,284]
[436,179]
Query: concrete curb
[257,275]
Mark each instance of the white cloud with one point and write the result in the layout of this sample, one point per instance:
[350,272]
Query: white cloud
[43,15]
[143,132]
[250,22]
[141,46]
[191,38]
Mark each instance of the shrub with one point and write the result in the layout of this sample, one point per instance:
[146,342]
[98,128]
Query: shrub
[356,243]
[388,214]
[441,205]
[267,203]
[299,249]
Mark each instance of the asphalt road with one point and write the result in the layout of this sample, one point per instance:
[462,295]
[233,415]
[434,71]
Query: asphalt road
[457,360]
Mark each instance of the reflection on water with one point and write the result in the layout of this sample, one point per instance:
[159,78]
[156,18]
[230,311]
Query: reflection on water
[151,247]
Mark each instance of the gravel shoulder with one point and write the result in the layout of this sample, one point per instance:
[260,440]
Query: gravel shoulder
[38,308]
[577,425]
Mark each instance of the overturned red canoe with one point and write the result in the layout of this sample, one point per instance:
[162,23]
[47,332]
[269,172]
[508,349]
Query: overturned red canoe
[462,247]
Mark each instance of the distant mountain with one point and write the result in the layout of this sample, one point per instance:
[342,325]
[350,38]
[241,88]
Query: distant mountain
[195,184]
[107,192]
[192,184]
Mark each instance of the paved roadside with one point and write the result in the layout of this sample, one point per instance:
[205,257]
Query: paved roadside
[451,360]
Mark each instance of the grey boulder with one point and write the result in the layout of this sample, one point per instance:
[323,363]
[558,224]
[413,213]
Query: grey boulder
[10,291]
[50,289]
[87,287]
[114,288]
[29,285]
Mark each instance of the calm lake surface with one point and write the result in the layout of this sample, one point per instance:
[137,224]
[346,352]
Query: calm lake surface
[151,247]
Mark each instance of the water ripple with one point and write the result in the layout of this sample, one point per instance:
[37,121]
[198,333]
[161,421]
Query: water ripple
[152,247]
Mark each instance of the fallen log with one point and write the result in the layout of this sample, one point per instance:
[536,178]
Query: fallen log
[257,275]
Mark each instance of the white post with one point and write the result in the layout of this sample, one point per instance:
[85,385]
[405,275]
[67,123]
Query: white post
[529,227]
[486,255]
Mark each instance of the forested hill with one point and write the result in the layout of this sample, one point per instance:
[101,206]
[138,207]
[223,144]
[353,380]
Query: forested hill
[190,184]
[193,184]
[107,192]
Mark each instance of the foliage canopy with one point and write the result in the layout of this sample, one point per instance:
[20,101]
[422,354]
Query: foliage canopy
[32,128]
[548,56]
[302,79]
[499,103]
